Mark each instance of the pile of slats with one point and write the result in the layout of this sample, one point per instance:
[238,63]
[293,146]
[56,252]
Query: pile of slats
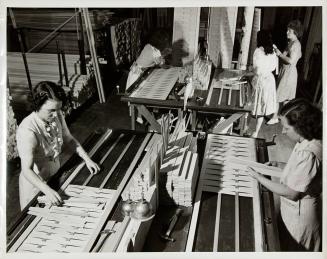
[158,85]
[144,176]
[67,228]
[45,67]
[179,170]
[201,73]
[11,130]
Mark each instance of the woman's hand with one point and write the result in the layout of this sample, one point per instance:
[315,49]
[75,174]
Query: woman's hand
[272,163]
[277,51]
[280,165]
[52,196]
[92,166]
[253,173]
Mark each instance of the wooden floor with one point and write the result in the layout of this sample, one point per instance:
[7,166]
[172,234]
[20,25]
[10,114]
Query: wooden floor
[115,114]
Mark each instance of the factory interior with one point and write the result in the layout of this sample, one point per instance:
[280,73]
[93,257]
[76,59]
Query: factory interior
[164,102]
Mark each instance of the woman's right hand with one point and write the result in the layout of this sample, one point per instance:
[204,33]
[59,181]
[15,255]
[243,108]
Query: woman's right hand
[278,164]
[272,163]
[52,196]
[277,51]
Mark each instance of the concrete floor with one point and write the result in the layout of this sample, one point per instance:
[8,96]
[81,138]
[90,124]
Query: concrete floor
[115,114]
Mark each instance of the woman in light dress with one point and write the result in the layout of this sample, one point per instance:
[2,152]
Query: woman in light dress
[300,183]
[265,62]
[40,137]
[287,79]
[153,54]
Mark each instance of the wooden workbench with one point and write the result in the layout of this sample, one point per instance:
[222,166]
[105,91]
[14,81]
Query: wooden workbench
[196,105]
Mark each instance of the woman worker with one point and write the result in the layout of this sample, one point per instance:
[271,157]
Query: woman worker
[264,63]
[40,137]
[153,54]
[300,184]
[287,79]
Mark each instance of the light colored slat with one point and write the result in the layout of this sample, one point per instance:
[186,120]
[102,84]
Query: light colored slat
[216,236]
[229,95]
[262,168]
[258,227]
[237,223]
[227,187]
[221,93]
[226,124]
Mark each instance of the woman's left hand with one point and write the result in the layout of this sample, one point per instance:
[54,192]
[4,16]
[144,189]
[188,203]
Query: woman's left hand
[253,173]
[92,166]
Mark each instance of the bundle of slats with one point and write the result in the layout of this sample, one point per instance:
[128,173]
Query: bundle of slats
[44,67]
[201,73]
[158,85]
[145,174]
[47,20]
[11,130]
[69,227]
[126,40]
[179,170]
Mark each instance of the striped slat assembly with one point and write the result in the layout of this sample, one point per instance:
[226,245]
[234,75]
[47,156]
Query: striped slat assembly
[69,227]
[233,188]
[158,85]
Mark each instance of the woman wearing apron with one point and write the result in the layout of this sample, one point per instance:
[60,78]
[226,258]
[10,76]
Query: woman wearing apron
[300,184]
[40,137]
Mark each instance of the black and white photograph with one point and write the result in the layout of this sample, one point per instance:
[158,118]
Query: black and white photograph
[151,127]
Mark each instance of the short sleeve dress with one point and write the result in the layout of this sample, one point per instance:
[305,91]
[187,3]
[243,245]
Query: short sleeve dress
[303,173]
[49,139]
[150,56]
[263,82]
[287,79]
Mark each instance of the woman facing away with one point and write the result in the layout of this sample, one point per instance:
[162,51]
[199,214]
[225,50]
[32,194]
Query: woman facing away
[300,185]
[264,63]
[40,137]
[153,53]
[287,79]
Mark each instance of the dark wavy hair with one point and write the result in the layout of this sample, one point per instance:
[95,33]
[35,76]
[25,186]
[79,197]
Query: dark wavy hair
[304,117]
[264,39]
[46,90]
[297,27]
[160,39]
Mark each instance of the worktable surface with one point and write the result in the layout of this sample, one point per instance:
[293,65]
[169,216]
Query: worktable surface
[174,102]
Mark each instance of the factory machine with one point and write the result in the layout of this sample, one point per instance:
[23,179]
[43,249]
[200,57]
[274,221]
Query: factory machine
[156,192]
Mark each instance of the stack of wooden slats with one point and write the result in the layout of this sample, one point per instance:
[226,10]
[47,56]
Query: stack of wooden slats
[67,228]
[201,73]
[11,130]
[44,67]
[144,176]
[179,170]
